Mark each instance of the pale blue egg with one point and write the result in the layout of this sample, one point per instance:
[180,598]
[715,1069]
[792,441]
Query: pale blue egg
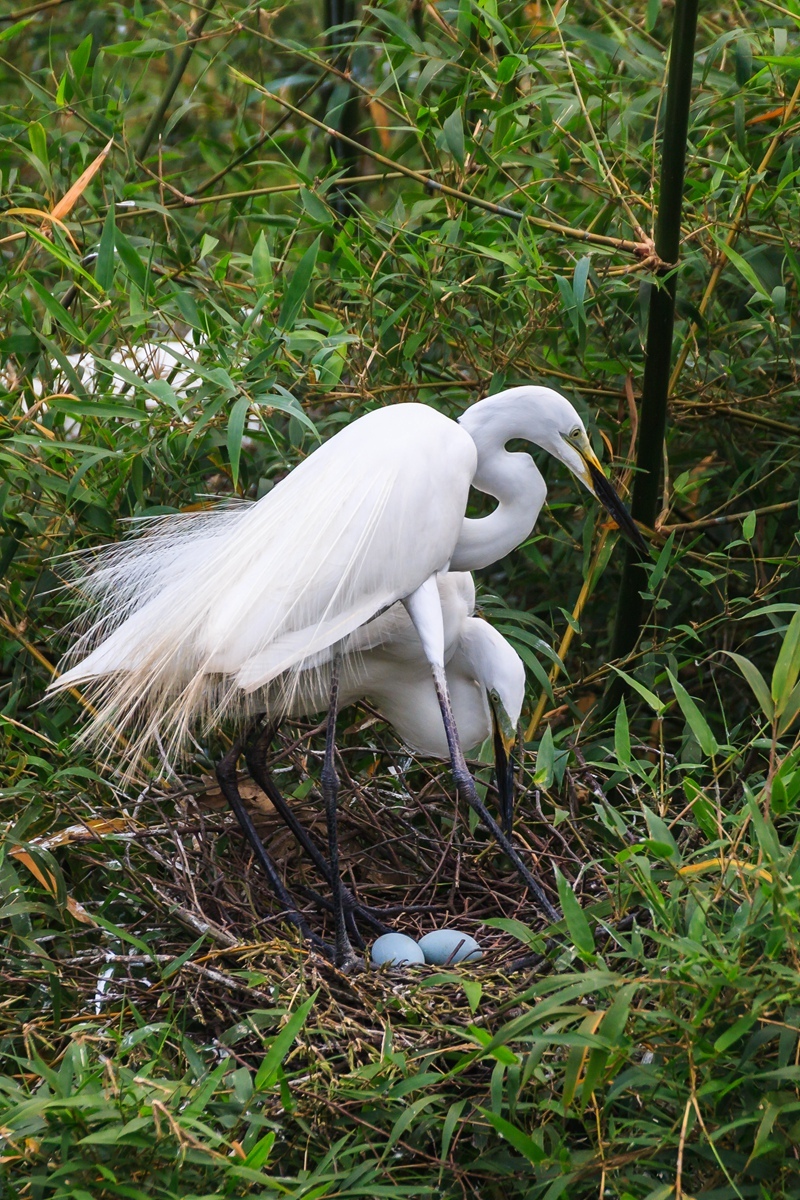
[448,946]
[397,949]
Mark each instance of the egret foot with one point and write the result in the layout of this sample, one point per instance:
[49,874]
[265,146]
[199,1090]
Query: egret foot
[226,776]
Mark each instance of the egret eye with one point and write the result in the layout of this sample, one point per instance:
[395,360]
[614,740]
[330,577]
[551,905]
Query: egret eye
[494,696]
[576,433]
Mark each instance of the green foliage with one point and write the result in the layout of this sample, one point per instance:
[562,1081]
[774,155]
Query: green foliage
[646,1046]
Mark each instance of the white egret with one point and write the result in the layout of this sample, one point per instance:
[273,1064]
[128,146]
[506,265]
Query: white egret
[250,595]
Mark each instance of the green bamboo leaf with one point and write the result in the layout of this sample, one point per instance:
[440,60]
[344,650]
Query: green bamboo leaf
[508,67]
[622,737]
[158,389]
[765,832]
[518,930]
[757,682]
[397,27]
[182,959]
[792,708]
[144,48]
[515,1137]
[79,58]
[285,402]
[579,278]
[612,1029]
[104,267]
[787,667]
[545,757]
[12,30]
[742,265]
[694,718]
[92,410]
[261,1151]
[733,1033]
[649,697]
[315,207]
[261,263]
[578,1055]
[57,311]
[38,141]
[577,925]
[473,990]
[448,1129]
[660,832]
[298,286]
[131,260]
[743,59]
[662,562]
[235,432]
[282,1044]
[407,1118]
[454,135]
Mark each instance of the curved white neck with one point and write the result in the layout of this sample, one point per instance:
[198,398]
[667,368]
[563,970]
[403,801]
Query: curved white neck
[512,478]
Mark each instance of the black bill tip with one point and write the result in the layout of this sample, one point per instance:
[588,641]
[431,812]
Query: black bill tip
[616,509]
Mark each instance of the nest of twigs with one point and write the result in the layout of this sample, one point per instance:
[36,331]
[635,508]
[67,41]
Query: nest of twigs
[409,851]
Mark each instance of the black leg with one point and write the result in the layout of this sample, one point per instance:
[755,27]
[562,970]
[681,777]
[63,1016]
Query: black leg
[226,775]
[466,785]
[345,955]
[255,756]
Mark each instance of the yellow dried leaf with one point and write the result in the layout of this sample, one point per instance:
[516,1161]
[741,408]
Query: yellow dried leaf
[380,119]
[79,912]
[45,878]
[68,201]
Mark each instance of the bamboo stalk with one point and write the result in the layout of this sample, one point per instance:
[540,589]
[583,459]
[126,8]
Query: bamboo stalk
[655,388]
[31,9]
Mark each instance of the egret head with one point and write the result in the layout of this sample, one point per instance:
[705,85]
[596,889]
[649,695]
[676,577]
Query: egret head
[499,670]
[562,432]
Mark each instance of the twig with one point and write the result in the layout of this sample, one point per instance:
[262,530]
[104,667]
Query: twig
[34,8]
[705,522]
[750,418]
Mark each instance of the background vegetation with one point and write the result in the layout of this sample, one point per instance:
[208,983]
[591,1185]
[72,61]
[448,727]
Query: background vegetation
[162,1032]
